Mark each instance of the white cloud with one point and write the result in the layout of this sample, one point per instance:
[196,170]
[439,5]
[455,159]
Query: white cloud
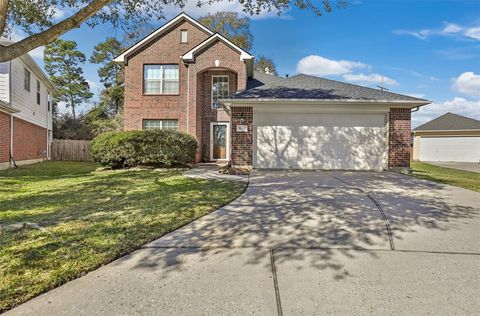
[59,13]
[473,32]
[422,34]
[468,83]
[457,105]
[321,66]
[448,29]
[93,85]
[370,78]
[451,28]
[37,52]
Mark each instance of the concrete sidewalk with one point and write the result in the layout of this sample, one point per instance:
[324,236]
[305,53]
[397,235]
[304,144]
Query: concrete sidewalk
[465,166]
[300,243]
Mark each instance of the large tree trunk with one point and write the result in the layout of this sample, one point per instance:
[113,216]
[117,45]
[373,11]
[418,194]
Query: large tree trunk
[73,110]
[3,15]
[43,38]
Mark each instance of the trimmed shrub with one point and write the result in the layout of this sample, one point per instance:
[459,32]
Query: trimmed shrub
[150,147]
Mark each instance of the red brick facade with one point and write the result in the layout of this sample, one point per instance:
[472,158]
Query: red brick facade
[206,113]
[166,49]
[4,137]
[399,138]
[29,140]
[192,106]
[242,142]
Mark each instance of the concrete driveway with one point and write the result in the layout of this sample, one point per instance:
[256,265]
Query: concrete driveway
[300,243]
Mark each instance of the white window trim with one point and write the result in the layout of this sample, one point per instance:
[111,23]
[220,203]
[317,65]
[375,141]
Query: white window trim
[227,140]
[211,89]
[161,124]
[25,70]
[38,94]
[161,80]
[181,36]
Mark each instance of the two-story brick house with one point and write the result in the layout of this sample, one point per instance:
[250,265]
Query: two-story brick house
[183,76]
[25,112]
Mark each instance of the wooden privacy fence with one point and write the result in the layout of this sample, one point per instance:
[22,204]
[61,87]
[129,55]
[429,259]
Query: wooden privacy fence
[68,149]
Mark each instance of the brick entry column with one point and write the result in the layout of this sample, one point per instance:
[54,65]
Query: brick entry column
[242,142]
[399,138]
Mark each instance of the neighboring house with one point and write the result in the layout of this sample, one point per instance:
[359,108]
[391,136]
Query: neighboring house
[449,137]
[25,112]
[185,77]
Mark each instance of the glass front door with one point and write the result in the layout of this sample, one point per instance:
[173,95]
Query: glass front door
[219,139]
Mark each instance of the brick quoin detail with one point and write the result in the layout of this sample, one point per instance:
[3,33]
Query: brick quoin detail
[242,142]
[4,137]
[399,138]
[29,140]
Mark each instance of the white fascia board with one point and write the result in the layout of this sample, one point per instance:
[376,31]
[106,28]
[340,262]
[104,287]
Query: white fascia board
[400,103]
[190,55]
[121,58]
[445,130]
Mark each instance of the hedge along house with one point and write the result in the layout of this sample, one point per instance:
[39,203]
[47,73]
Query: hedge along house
[25,112]
[185,77]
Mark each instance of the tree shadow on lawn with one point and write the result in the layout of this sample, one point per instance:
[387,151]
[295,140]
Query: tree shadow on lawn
[93,221]
[296,214]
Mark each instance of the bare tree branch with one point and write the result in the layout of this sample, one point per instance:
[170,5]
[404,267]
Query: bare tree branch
[24,46]
[3,15]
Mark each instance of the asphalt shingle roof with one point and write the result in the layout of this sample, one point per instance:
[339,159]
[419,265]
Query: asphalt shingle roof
[450,121]
[260,78]
[309,87]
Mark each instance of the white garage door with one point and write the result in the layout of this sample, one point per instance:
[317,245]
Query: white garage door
[461,149]
[320,141]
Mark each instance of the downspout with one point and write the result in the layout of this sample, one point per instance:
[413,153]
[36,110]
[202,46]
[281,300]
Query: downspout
[10,99]
[11,140]
[188,97]
[415,109]
[46,122]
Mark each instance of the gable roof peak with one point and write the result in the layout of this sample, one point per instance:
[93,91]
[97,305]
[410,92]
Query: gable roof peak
[122,58]
[450,121]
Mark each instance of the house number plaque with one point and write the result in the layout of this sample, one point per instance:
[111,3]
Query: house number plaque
[242,128]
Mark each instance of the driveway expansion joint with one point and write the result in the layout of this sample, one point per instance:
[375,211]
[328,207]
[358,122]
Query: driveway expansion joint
[275,282]
[379,207]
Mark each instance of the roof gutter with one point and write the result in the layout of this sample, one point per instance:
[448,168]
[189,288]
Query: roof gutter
[242,102]
[4,107]
[445,130]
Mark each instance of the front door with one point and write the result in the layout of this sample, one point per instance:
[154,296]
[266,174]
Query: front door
[219,141]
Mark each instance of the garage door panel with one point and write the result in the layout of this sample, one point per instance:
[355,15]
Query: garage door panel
[460,149]
[320,147]
[327,119]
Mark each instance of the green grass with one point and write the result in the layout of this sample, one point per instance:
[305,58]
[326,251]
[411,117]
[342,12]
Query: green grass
[459,178]
[59,220]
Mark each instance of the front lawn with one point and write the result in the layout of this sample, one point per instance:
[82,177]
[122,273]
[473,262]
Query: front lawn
[459,178]
[59,220]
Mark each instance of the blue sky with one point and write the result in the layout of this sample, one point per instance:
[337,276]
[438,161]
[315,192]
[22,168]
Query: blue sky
[429,49]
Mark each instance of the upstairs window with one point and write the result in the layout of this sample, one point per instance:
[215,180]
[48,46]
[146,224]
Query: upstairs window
[38,92]
[160,79]
[219,90]
[161,124]
[26,80]
[49,101]
[4,68]
[183,36]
